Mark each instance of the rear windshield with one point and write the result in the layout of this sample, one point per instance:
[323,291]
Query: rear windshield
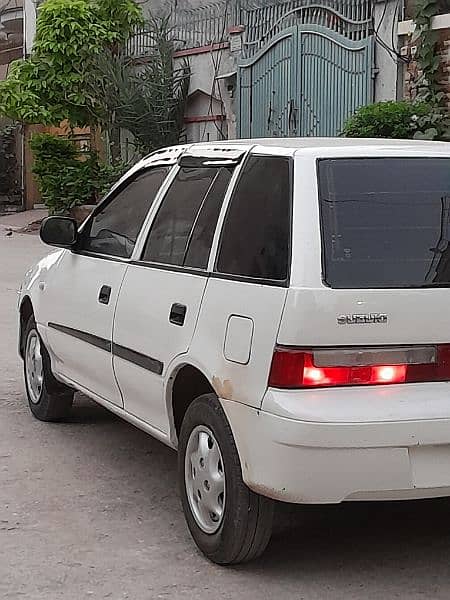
[385,222]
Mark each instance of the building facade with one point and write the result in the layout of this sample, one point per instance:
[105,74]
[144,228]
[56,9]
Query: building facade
[287,67]
[290,67]
[272,68]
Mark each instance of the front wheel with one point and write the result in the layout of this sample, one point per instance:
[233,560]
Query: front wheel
[48,399]
[229,523]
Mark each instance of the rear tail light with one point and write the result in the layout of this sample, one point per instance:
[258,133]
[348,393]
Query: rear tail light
[292,368]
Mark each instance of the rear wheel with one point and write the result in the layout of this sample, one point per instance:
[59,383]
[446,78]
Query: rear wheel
[229,523]
[48,399]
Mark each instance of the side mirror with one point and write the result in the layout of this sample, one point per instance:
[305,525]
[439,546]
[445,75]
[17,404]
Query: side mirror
[59,231]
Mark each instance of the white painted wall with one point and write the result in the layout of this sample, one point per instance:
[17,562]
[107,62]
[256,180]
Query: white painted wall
[205,68]
[200,105]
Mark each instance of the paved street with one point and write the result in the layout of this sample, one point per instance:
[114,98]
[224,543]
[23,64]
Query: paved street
[89,509]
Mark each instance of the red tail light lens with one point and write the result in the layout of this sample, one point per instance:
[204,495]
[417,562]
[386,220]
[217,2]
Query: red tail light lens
[293,368]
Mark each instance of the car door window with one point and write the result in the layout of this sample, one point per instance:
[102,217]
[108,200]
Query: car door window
[255,238]
[113,230]
[184,227]
[201,237]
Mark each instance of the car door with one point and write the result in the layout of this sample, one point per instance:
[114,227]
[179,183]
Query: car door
[162,291]
[82,293]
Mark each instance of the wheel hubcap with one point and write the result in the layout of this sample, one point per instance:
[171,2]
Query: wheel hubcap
[33,367]
[205,479]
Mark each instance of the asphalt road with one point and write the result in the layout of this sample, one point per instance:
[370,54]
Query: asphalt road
[90,509]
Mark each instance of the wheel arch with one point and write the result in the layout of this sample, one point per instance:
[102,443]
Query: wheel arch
[186,382]
[26,310]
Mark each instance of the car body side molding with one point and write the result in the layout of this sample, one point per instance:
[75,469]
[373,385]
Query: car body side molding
[141,360]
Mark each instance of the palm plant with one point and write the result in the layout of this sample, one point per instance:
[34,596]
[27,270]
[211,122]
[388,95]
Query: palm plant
[146,97]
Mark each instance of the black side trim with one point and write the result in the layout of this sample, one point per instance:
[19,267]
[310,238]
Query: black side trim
[94,340]
[191,271]
[125,261]
[174,268]
[141,360]
[282,283]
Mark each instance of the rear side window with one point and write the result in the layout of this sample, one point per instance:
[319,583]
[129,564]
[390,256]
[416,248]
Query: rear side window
[183,229]
[385,222]
[256,235]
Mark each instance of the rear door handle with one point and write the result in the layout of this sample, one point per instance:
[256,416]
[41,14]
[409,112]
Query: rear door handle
[104,294]
[177,314]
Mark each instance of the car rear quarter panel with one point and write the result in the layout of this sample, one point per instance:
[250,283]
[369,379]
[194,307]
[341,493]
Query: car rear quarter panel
[223,299]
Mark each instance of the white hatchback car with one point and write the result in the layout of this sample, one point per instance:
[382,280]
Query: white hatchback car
[275,309]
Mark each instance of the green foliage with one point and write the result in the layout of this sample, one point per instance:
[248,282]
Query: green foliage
[428,84]
[78,71]
[49,87]
[397,120]
[120,17]
[148,99]
[428,87]
[67,178]
[9,171]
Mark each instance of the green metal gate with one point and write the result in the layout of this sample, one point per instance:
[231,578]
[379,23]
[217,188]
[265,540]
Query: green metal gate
[308,72]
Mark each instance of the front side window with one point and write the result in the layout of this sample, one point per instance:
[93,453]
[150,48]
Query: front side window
[183,229]
[385,222]
[256,235]
[113,230]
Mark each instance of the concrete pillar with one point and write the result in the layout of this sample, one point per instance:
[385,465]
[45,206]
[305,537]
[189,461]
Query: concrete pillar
[387,71]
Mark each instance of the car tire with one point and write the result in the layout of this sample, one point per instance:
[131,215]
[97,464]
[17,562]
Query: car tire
[48,399]
[237,528]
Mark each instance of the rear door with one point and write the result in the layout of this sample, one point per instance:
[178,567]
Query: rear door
[162,291]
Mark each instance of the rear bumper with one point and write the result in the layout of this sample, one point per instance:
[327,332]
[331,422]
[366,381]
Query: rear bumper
[304,461]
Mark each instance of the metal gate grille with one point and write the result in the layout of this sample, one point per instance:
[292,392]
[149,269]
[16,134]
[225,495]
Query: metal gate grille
[266,87]
[305,68]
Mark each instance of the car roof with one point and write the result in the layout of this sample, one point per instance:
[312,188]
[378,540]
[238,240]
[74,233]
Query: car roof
[316,146]
[317,142]
[330,143]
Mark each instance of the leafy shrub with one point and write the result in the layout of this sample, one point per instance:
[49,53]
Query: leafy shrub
[66,177]
[398,120]
[9,169]
[50,85]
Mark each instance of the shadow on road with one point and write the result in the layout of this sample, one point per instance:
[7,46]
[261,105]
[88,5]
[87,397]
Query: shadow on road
[395,539]
[86,412]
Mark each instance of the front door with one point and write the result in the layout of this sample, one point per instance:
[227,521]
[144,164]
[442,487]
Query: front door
[162,292]
[82,293]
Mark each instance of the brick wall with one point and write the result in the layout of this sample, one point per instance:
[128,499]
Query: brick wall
[412,72]
[443,6]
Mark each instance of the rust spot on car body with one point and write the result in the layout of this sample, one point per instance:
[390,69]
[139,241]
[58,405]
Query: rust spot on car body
[223,389]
